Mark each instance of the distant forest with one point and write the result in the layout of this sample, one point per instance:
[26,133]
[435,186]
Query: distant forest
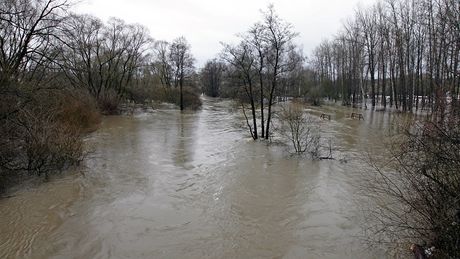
[397,53]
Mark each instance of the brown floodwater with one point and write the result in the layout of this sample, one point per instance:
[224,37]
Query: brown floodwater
[165,184]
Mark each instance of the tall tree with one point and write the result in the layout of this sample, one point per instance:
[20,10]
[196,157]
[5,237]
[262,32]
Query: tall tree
[368,24]
[278,36]
[26,27]
[211,77]
[255,38]
[161,63]
[182,62]
[242,59]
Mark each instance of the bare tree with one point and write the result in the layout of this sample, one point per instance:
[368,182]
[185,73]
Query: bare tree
[368,23]
[256,39]
[293,79]
[26,27]
[211,77]
[278,35]
[125,47]
[242,59]
[182,62]
[161,64]
[82,52]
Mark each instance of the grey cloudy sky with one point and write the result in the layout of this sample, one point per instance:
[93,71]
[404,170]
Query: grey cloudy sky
[205,23]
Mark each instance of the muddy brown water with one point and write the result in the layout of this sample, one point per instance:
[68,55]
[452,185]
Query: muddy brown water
[165,184]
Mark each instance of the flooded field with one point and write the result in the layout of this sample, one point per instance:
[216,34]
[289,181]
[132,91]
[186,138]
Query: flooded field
[165,184]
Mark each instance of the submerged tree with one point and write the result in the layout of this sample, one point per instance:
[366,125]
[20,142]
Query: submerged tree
[255,38]
[182,63]
[279,37]
[242,60]
[171,68]
[406,52]
[269,56]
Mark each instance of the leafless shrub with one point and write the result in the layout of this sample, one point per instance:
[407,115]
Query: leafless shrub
[109,102]
[143,93]
[191,100]
[77,109]
[414,197]
[299,129]
[47,144]
[44,134]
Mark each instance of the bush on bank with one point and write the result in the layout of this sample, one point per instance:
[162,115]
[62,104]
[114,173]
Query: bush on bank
[42,131]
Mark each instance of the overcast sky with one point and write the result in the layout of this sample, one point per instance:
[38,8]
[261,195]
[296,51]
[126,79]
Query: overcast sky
[205,23]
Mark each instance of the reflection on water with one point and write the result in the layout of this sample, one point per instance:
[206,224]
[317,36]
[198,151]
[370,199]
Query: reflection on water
[193,185]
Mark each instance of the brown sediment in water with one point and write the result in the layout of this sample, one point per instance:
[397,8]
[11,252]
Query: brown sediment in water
[167,184]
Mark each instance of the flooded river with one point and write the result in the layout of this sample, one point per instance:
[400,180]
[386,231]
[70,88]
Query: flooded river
[165,184]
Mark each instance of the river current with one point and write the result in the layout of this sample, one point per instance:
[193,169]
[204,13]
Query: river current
[166,184]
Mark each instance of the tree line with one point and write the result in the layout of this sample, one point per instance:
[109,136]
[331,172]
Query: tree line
[401,54]
[397,53]
[60,70]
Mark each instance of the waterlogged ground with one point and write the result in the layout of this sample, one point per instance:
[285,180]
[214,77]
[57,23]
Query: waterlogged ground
[162,184]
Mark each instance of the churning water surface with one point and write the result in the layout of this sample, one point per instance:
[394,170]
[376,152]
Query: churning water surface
[166,184]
